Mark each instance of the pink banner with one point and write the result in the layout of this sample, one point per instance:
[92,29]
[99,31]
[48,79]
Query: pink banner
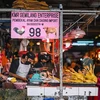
[35,25]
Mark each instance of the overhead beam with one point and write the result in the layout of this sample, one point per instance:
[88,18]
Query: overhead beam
[94,31]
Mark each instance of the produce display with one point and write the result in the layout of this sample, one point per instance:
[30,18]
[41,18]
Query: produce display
[12,79]
[44,77]
[85,76]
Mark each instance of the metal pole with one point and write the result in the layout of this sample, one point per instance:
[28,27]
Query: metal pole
[7,19]
[82,11]
[68,11]
[61,55]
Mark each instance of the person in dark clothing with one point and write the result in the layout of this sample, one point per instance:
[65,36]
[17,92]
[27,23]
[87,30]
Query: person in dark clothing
[21,66]
[42,59]
[15,55]
[44,62]
[44,67]
[14,66]
[8,53]
[50,64]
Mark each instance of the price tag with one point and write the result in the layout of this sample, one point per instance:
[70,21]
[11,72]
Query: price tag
[35,32]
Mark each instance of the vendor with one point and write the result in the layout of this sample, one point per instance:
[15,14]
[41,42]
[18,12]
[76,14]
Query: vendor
[42,59]
[44,63]
[50,64]
[21,67]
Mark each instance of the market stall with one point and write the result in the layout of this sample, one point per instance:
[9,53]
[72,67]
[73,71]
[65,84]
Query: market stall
[44,84]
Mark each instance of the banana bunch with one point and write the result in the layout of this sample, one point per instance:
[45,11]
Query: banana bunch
[13,80]
[90,76]
[77,77]
[85,76]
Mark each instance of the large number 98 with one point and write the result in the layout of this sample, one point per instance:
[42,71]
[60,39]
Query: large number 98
[35,32]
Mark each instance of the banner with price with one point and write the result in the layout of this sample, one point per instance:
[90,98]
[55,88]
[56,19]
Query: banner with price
[35,25]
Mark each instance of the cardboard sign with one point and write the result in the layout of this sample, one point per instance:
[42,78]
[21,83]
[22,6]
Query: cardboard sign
[35,25]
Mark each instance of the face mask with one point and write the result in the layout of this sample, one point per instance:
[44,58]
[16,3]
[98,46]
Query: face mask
[44,63]
[27,62]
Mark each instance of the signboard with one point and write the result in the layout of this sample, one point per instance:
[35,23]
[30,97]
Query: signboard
[35,25]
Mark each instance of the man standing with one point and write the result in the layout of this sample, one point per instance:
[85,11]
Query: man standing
[20,67]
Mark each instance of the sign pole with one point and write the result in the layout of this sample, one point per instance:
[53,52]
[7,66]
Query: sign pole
[61,55]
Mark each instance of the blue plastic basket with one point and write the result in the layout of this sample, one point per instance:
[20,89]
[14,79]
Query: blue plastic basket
[48,99]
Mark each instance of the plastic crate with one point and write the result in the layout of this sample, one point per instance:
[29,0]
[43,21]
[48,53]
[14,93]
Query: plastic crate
[48,99]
